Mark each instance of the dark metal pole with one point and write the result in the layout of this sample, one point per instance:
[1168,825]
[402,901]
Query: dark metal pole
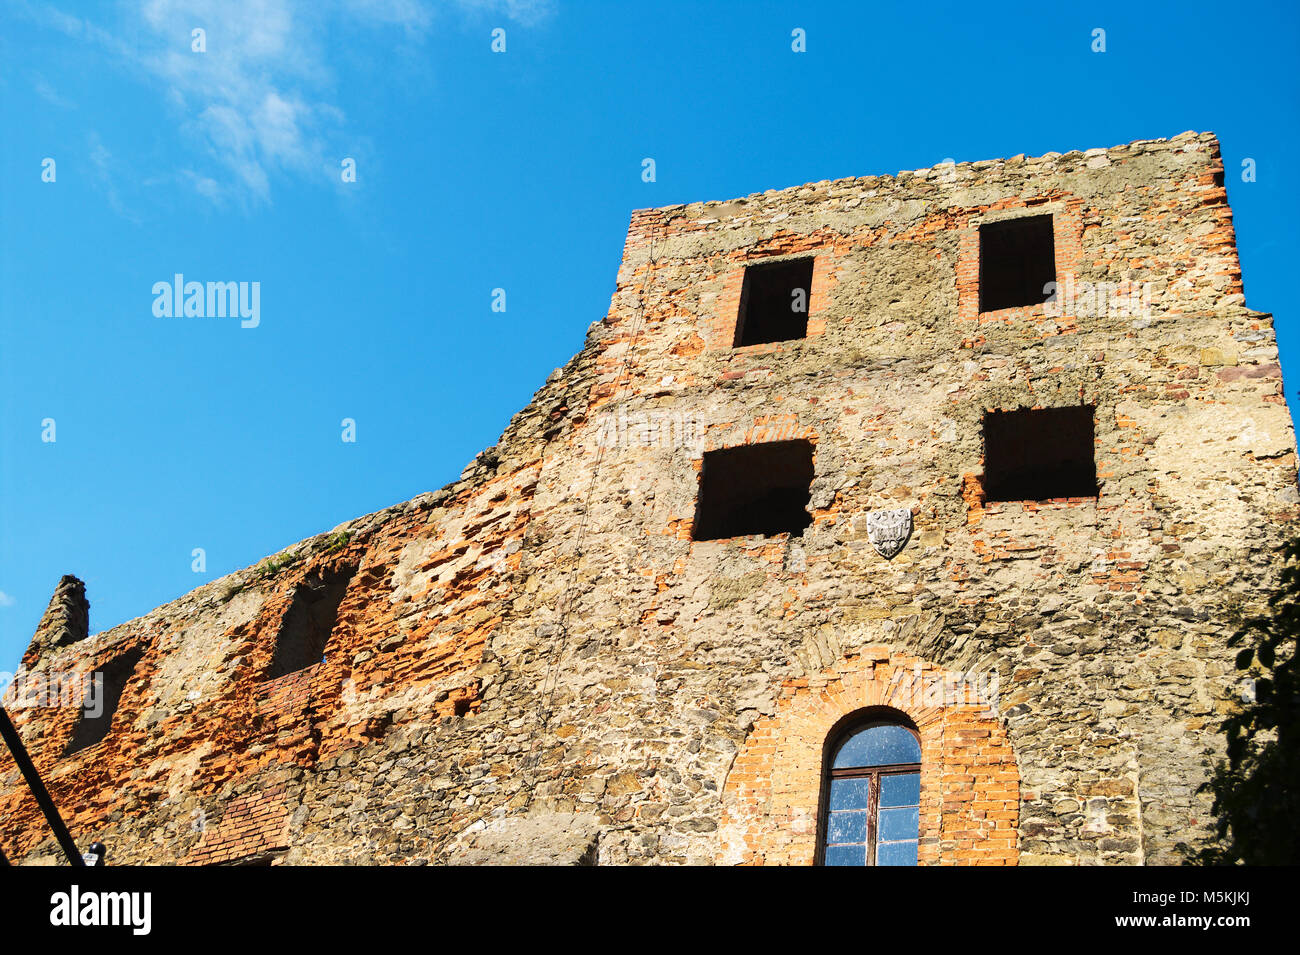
[15,744]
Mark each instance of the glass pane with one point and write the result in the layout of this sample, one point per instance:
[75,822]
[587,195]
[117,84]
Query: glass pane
[847,827]
[903,789]
[846,855]
[896,853]
[878,746]
[849,793]
[899,824]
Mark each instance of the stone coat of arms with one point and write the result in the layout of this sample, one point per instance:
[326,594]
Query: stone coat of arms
[888,531]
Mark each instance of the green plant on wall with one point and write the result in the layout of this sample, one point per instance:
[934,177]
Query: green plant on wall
[336,542]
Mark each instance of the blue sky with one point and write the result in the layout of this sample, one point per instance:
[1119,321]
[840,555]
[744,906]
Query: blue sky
[475,170]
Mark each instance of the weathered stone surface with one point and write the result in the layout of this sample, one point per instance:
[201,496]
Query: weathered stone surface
[539,651]
[546,838]
[66,619]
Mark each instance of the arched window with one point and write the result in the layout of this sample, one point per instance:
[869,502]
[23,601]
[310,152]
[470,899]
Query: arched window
[872,796]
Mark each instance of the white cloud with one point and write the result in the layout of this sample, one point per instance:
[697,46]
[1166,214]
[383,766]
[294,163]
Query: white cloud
[256,103]
[102,161]
[526,12]
[48,93]
[6,600]
[253,98]
[411,14]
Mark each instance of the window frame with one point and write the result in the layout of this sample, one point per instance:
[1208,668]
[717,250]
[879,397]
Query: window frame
[1010,222]
[1006,478]
[837,739]
[309,592]
[122,665]
[749,279]
[717,492]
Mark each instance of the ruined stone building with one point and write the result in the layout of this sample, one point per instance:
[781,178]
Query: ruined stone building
[843,539]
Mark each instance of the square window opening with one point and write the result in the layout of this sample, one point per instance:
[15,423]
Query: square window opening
[101,701]
[754,489]
[309,621]
[1017,260]
[1035,455]
[774,302]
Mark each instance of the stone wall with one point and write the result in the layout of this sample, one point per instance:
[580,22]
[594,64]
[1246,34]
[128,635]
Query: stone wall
[537,663]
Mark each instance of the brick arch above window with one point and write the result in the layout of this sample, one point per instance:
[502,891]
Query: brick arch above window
[970,784]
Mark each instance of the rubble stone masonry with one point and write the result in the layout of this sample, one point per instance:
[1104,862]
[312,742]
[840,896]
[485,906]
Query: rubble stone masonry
[537,663]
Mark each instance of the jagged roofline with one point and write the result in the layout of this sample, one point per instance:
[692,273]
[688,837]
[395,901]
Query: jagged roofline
[484,464]
[904,174]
